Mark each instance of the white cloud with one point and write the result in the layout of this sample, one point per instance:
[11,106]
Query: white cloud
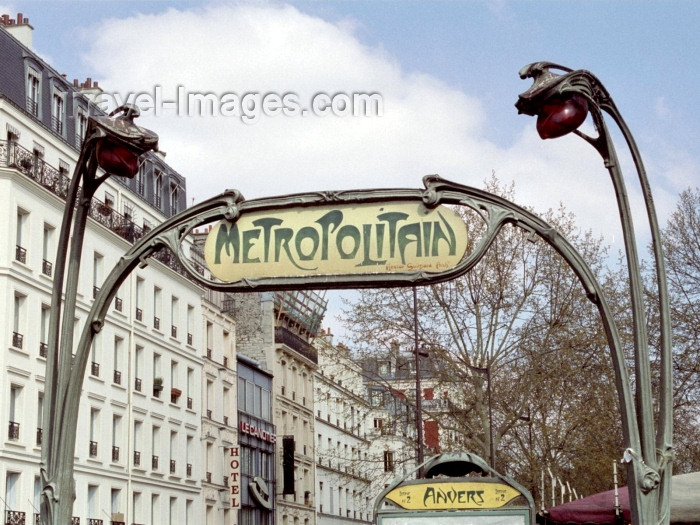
[426,127]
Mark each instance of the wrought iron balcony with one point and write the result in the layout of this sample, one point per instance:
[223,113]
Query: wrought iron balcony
[118,304]
[137,458]
[93,449]
[154,462]
[115,454]
[188,470]
[117,377]
[20,254]
[95,291]
[189,339]
[43,349]
[139,314]
[95,369]
[39,436]
[47,268]
[156,323]
[137,384]
[17,340]
[208,477]
[173,331]
[286,337]
[189,403]
[15,156]
[14,517]
[173,466]
[13,432]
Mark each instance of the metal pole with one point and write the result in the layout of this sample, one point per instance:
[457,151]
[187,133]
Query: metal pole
[561,103]
[419,402]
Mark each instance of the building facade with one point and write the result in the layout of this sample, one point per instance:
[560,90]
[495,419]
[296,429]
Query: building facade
[138,455]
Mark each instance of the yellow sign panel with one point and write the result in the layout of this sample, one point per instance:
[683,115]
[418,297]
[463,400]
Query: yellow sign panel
[343,239]
[453,496]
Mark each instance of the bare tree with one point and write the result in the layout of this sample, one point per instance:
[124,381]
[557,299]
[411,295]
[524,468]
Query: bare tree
[516,348]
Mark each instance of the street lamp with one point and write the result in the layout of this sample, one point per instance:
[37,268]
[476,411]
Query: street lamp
[561,102]
[114,144]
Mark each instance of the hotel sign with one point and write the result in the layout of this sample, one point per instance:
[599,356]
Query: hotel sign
[344,239]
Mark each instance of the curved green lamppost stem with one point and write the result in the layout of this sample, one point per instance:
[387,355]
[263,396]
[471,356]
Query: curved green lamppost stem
[561,103]
[114,144]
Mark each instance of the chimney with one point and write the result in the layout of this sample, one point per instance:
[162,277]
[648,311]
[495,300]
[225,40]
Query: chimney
[19,29]
[90,89]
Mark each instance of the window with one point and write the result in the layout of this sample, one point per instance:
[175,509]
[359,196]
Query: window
[158,189]
[81,121]
[47,250]
[97,267]
[58,112]
[116,437]
[19,321]
[39,417]
[93,502]
[139,298]
[95,357]
[15,410]
[140,187]
[21,235]
[155,447]
[174,316]
[138,368]
[190,324]
[156,307]
[138,445]
[33,92]
[118,352]
[94,431]
[174,197]
[388,461]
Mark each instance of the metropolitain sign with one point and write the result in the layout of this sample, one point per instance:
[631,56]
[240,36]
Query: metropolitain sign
[372,239]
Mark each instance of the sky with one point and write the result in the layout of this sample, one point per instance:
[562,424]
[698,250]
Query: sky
[443,77]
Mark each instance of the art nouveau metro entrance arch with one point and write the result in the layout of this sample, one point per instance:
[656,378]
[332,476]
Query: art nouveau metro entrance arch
[342,239]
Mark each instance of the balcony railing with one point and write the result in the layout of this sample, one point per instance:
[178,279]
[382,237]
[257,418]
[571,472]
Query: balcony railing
[172,466]
[189,403]
[95,291]
[93,449]
[94,521]
[13,431]
[137,458]
[57,125]
[137,384]
[156,323]
[118,304]
[117,377]
[115,454]
[188,470]
[14,517]
[189,339]
[46,267]
[20,254]
[296,343]
[173,331]
[139,314]
[15,156]
[154,462]
[39,436]
[43,349]
[208,477]
[17,340]
[95,369]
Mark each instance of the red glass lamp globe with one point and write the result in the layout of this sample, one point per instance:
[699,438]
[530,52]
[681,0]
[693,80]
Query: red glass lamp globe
[561,114]
[116,159]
